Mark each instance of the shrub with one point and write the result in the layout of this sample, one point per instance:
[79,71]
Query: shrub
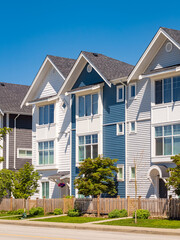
[141,214]
[36,211]
[58,211]
[118,213]
[20,211]
[68,196]
[73,213]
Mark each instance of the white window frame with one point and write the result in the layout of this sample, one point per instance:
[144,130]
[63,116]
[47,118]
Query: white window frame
[135,131]
[24,149]
[117,93]
[130,85]
[117,128]
[49,164]
[122,167]
[43,106]
[130,175]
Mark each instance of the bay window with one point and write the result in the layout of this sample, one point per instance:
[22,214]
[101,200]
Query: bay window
[46,114]
[88,105]
[167,90]
[46,152]
[88,147]
[167,140]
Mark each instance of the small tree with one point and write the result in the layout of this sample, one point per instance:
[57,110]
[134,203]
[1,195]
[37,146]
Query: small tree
[96,177]
[3,132]
[174,179]
[6,182]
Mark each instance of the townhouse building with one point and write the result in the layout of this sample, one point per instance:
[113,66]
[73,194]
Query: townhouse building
[51,127]
[17,146]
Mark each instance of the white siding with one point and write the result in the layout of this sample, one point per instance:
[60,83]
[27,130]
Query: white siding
[165,59]
[50,84]
[1,141]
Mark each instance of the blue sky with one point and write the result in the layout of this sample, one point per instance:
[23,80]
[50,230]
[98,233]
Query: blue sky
[120,29]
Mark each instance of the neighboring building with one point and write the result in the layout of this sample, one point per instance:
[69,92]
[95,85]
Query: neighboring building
[153,115]
[51,126]
[98,112]
[17,146]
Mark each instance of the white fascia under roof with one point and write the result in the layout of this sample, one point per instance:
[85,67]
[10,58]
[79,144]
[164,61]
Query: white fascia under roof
[1,112]
[47,59]
[66,86]
[148,49]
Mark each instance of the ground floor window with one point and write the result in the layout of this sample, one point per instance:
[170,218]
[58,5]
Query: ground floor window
[120,173]
[46,152]
[45,189]
[88,147]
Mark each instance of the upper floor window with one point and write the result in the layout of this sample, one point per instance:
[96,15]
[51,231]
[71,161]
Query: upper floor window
[88,105]
[46,114]
[132,90]
[167,90]
[88,147]
[120,93]
[167,140]
[46,152]
[132,127]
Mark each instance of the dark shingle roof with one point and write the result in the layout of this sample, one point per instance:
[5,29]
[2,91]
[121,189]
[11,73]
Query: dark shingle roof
[175,34]
[64,65]
[109,67]
[11,96]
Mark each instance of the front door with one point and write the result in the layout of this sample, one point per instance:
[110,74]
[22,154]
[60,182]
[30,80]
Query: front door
[162,189]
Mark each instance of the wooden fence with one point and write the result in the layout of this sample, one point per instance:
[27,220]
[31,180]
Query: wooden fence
[157,207]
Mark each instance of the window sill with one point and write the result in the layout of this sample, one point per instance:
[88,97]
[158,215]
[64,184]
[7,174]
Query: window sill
[88,117]
[45,125]
[120,180]
[132,133]
[120,134]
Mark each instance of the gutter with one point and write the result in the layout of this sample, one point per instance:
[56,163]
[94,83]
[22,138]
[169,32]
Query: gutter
[15,140]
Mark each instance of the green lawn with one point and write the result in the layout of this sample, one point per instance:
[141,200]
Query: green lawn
[154,223]
[20,216]
[66,219]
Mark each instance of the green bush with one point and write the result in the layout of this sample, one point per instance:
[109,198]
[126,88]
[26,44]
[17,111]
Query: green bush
[58,211]
[68,196]
[118,213]
[141,214]
[20,211]
[36,211]
[73,213]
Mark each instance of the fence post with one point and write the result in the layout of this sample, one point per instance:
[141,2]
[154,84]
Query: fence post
[44,204]
[98,206]
[128,205]
[64,205]
[37,202]
[118,202]
[139,202]
[170,206]
[11,204]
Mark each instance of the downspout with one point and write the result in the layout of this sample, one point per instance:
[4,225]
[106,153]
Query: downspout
[15,140]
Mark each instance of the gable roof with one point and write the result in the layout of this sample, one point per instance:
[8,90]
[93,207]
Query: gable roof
[64,65]
[11,96]
[109,67]
[152,49]
[61,64]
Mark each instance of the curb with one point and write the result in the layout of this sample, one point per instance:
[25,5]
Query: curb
[175,232]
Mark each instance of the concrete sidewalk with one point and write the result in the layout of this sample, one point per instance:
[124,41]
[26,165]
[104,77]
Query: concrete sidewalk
[162,231]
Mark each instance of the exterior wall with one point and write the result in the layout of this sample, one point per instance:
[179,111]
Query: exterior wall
[23,140]
[139,144]
[165,59]
[1,141]
[113,144]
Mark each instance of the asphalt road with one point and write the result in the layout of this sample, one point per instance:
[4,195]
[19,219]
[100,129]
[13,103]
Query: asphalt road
[15,232]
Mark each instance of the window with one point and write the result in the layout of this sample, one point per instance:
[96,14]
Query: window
[120,173]
[132,128]
[167,90]
[88,105]
[120,93]
[132,173]
[120,128]
[46,114]
[167,140]
[46,152]
[24,153]
[45,189]
[132,90]
[88,147]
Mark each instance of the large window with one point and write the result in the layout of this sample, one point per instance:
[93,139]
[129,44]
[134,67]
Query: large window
[167,140]
[46,152]
[46,114]
[88,105]
[167,90]
[88,147]
[45,189]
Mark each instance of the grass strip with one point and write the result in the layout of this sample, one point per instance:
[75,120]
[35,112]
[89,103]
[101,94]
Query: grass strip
[66,219]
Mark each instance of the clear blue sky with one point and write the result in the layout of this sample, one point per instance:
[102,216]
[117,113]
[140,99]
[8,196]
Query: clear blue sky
[30,30]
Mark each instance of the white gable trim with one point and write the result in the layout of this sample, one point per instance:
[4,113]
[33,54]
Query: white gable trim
[148,49]
[72,70]
[36,79]
[1,112]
